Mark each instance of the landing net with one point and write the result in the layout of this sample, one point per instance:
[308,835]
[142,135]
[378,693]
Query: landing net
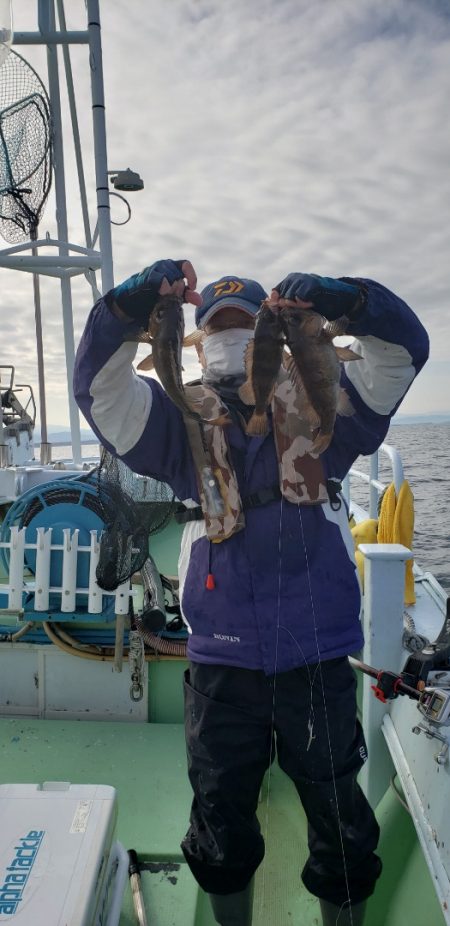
[133,508]
[25,149]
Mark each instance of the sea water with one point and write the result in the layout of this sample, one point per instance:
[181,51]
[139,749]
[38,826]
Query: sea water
[425,452]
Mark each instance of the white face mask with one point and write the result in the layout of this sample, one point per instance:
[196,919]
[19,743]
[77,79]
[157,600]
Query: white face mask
[224,353]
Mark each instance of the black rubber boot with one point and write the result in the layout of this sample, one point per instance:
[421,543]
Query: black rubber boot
[342,916]
[233,909]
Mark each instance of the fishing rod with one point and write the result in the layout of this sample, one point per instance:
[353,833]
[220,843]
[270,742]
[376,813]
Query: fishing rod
[433,702]
[389,684]
[134,871]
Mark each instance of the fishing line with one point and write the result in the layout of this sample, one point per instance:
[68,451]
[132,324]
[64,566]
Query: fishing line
[272,722]
[272,725]
[327,726]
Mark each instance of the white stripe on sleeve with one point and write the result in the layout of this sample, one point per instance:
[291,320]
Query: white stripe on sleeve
[383,374]
[122,400]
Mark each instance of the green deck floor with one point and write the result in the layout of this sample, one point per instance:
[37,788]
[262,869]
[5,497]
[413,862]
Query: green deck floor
[147,766]
[153,808]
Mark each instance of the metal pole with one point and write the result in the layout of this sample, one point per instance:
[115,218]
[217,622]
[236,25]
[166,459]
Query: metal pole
[46,24]
[101,160]
[90,274]
[373,493]
[45,37]
[40,354]
[4,449]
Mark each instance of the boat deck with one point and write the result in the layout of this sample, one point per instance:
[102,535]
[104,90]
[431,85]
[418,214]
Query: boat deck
[153,808]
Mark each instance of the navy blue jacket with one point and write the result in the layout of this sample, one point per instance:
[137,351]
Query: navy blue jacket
[286,590]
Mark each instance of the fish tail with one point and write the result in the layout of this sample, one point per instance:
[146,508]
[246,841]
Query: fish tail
[257,426]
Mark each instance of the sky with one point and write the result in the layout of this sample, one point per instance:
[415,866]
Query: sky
[272,136]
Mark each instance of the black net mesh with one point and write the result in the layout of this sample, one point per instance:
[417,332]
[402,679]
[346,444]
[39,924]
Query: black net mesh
[25,148]
[133,509]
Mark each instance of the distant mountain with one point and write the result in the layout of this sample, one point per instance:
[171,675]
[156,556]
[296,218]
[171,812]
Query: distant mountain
[60,434]
[421,419]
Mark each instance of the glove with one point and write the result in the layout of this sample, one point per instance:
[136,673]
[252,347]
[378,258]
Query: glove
[138,295]
[332,298]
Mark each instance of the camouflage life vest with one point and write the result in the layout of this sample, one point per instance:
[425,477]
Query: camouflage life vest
[301,475]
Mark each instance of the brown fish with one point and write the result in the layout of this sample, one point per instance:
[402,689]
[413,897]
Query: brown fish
[165,334]
[263,360]
[315,370]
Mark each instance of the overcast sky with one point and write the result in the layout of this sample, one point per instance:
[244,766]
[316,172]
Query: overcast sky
[272,136]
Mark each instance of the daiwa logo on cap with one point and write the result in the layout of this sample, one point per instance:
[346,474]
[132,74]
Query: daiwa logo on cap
[229,291]
[227,288]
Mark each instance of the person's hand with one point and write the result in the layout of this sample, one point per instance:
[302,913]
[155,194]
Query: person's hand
[137,296]
[331,298]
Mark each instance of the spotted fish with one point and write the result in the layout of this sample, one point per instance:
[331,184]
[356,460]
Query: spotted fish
[262,360]
[314,368]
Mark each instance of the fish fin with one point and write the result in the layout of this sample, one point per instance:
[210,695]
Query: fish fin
[294,374]
[344,407]
[193,338]
[147,363]
[222,420]
[246,393]
[248,357]
[337,327]
[139,337]
[320,443]
[346,353]
[258,425]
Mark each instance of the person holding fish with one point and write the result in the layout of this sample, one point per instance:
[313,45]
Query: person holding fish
[256,450]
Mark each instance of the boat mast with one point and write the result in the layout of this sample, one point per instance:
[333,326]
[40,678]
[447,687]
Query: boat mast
[65,263]
[101,157]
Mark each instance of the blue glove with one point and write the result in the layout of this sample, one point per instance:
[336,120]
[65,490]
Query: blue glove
[332,298]
[138,295]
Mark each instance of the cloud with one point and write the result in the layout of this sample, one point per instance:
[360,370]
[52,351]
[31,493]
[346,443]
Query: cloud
[270,139]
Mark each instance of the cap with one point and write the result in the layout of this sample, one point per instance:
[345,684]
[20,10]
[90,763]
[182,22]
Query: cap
[232,291]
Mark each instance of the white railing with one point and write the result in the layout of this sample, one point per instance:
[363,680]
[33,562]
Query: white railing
[371,478]
[40,584]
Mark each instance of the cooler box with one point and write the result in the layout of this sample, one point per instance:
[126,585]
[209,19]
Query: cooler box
[58,865]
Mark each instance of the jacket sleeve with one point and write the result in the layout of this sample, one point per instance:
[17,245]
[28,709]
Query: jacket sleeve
[394,346]
[131,415]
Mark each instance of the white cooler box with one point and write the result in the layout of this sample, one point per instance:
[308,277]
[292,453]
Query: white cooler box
[58,865]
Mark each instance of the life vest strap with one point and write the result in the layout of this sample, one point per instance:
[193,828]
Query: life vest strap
[255,500]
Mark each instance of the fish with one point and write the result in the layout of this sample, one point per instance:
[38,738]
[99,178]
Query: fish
[165,333]
[314,368]
[263,361]
[144,337]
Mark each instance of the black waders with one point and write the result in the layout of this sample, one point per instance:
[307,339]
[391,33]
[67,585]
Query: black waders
[342,916]
[233,909]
